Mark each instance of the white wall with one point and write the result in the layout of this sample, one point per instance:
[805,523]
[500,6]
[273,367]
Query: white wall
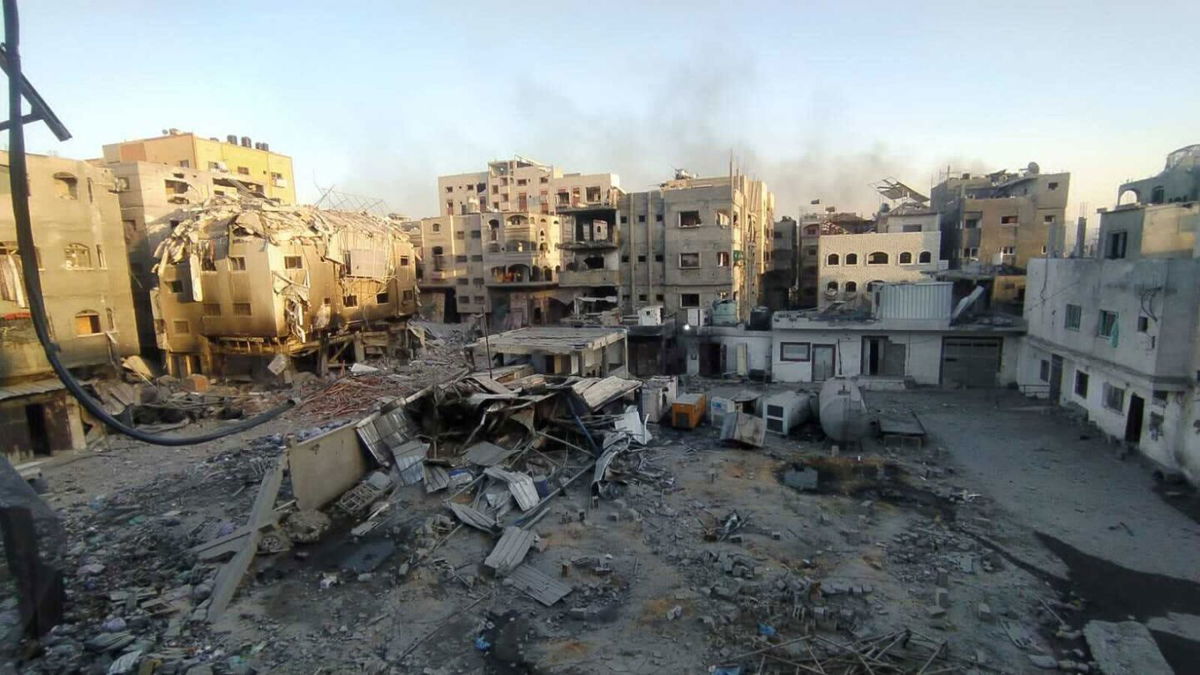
[922,362]
[758,347]
[861,273]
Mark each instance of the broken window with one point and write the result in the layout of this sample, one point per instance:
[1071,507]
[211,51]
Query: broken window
[66,186]
[1114,248]
[87,323]
[404,261]
[241,309]
[851,258]
[1052,185]
[1074,317]
[1143,324]
[689,299]
[658,218]
[1044,370]
[971,252]
[1107,325]
[180,327]
[970,223]
[212,309]
[243,171]
[1008,220]
[1048,219]
[658,257]
[1114,397]
[832,259]
[689,219]
[906,258]
[877,258]
[1159,397]
[435,227]
[563,198]
[794,351]
[925,257]
[77,257]
[642,297]
[1081,383]
[175,286]
[350,301]
[659,297]
[722,259]
[1007,250]
[237,263]
[207,262]
[293,262]
[593,194]
[381,298]
[686,260]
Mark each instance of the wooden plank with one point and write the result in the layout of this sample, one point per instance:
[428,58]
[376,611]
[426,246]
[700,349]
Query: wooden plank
[262,512]
[230,543]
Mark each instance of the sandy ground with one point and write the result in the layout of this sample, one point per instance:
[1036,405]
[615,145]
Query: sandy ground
[651,594]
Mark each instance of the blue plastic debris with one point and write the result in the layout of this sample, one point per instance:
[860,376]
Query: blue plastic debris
[482,644]
[766,630]
[727,670]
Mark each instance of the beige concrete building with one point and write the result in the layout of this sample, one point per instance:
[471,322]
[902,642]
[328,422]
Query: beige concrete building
[1156,217]
[524,186]
[502,265]
[851,264]
[153,200]
[694,242]
[268,173]
[1003,219]
[85,281]
[242,281]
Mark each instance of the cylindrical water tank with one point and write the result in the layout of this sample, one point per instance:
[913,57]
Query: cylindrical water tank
[843,413]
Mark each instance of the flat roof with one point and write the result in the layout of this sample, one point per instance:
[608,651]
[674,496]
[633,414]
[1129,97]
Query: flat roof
[552,339]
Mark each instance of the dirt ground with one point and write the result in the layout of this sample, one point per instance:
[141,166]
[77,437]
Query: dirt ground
[992,545]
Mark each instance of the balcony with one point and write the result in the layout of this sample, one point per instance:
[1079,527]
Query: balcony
[583,278]
[589,245]
[522,276]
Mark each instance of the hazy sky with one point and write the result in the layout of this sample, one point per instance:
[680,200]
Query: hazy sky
[818,99]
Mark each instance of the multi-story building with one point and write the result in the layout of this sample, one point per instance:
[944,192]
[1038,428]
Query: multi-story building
[523,186]
[1003,219]
[695,242]
[243,281]
[85,284]
[153,198]
[502,265]
[1116,336]
[782,280]
[904,247]
[253,164]
[808,256]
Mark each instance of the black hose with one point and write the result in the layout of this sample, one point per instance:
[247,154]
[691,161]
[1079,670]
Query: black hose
[33,282]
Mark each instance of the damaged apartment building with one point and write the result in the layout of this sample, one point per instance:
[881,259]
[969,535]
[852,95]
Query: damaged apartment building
[85,281]
[247,286]
[1115,336]
[157,178]
[992,225]
[495,250]
[903,245]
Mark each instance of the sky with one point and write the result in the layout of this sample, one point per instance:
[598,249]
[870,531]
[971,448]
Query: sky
[817,99]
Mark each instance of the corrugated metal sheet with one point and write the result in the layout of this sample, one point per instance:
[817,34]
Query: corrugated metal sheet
[487,454]
[30,388]
[519,484]
[471,517]
[539,585]
[510,551]
[436,478]
[410,458]
[925,300]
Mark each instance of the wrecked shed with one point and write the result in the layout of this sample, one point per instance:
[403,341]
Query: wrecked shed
[585,351]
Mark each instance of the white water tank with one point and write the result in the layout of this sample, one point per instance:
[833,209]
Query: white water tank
[844,416]
[785,411]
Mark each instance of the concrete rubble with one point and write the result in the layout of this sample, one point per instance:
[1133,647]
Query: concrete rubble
[470,519]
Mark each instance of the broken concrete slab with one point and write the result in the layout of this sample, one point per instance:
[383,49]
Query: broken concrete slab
[1124,648]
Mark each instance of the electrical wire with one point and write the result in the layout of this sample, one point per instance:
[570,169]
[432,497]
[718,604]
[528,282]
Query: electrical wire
[18,171]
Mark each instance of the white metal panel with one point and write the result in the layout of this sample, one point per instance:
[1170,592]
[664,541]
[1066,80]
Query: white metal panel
[925,300]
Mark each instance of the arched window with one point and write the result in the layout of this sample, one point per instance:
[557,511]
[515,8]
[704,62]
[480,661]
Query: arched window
[851,258]
[832,259]
[494,228]
[906,258]
[87,322]
[925,257]
[542,233]
[77,257]
[851,287]
[831,286]
[877,258]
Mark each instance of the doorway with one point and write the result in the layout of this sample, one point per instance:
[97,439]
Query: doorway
[1133,423]
[39,434]
[823,361]
[881,356]
[1056,373]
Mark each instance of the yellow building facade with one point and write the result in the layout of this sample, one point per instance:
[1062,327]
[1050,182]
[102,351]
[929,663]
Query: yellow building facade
[252,163]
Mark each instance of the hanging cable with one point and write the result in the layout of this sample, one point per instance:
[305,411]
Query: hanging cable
[17,91]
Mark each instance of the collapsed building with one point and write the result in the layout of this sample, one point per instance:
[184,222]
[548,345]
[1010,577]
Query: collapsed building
[245,285]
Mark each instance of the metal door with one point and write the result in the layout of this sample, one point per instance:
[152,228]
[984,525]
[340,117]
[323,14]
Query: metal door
[822,362]
[970,362]
[1056,373]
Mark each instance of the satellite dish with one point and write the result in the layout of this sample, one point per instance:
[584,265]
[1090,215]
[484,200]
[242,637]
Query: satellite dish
[1033,168]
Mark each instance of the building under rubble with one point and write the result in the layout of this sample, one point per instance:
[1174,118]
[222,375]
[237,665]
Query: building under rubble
[85,282]
[243,281]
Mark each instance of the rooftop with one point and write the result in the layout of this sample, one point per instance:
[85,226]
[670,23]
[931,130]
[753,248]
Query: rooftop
[552,339]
